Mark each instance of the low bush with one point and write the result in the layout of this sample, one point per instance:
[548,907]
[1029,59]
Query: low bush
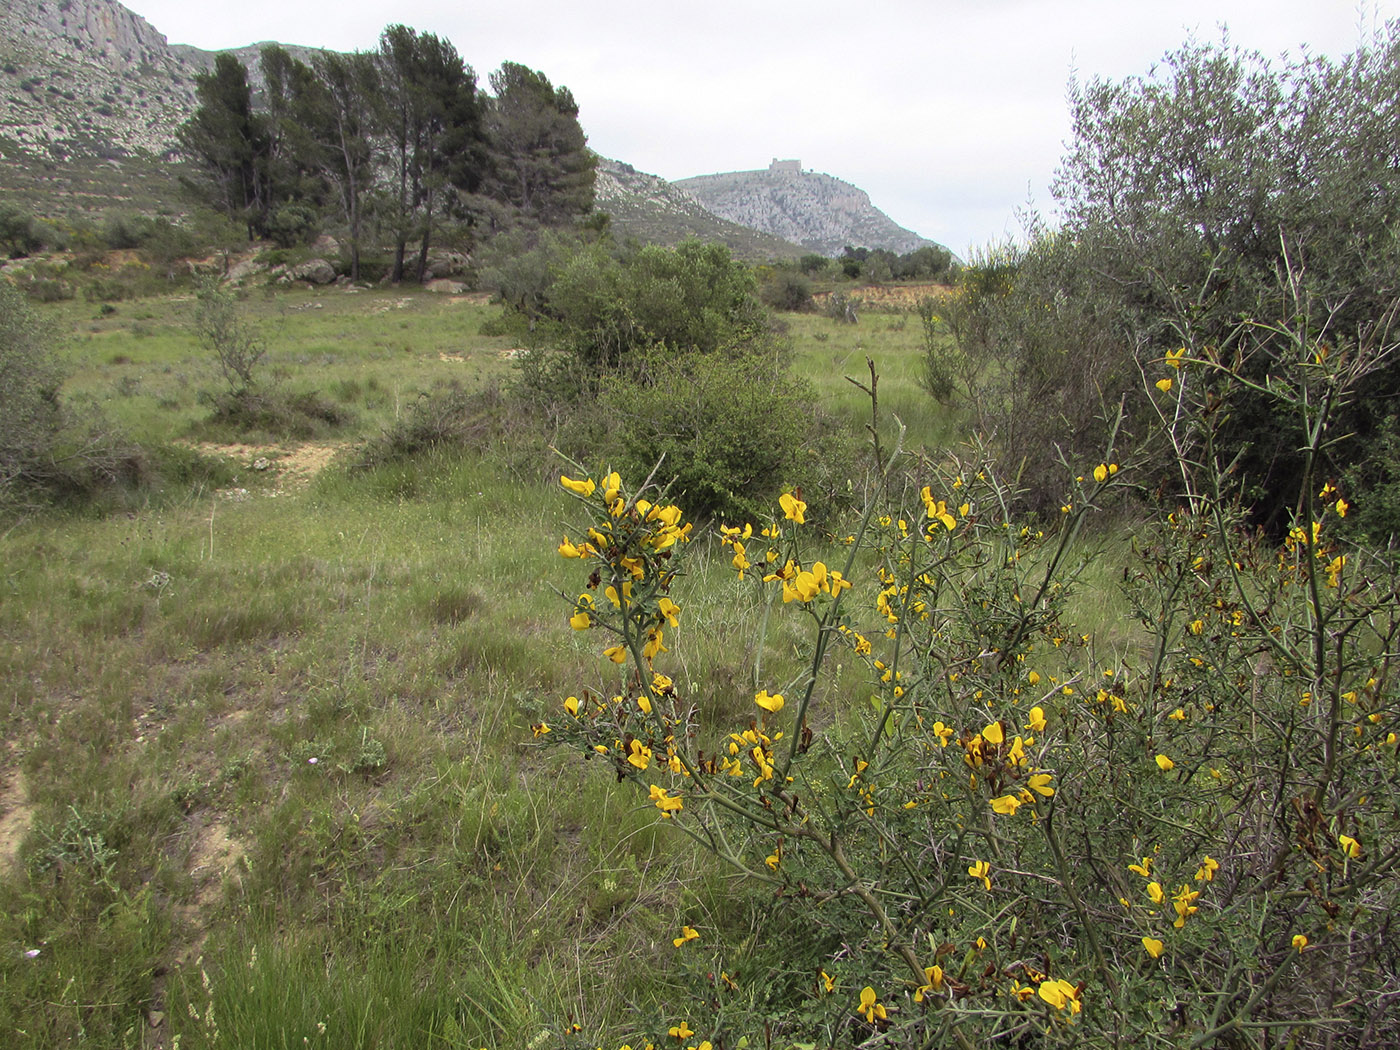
[1023,832]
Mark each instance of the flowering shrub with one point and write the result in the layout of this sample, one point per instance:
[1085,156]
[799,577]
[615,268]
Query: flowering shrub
[1017,831]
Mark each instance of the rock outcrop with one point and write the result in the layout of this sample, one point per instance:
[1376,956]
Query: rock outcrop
[821,213]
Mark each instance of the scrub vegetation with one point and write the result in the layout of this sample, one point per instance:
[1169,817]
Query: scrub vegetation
[606,659]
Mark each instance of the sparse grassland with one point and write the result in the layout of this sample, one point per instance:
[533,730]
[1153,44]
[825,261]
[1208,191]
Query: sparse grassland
[269,745]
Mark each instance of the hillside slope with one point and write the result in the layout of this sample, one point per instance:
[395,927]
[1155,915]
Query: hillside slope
[821,213]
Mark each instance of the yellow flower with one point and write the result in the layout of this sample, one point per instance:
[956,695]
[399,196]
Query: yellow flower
[1037,722]
[1164,385]
[980,870]
[1183,903]
[1060,994]
[1144,869]
[774,859]
[1153,946]
[1178,715]
[611,485]
[828,982]
[772,704]
[1300,942]
[670,610]
[1350,846]
[1006,805]
[583,488]
[1342,507]
[1165,764]
[687,934]
[1154,890]
[1033,678]
[870,1007]
[933,982]
[616,653]
[639,755]
[993,734]
[680,1031]
[1101,473]
[571,705]
[665,802]
[540,728]
[1040,783]
[794,509]
[943,732]
[1209,866]
[1173,357]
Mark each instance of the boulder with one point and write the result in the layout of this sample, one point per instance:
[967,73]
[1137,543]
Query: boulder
[317,271]
[326,246]
[445,264]
[245,268]
[446,287]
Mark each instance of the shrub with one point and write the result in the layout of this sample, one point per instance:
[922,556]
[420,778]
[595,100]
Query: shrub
[726,430]
[29,381]
[1023,832]
[787,290]
[236,346]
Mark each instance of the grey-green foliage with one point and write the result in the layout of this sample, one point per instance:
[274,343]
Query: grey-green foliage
[237,346]
[603,311]
[29,381]
[1219,187]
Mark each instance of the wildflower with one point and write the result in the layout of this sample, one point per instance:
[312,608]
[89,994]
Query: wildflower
[580,620]
[687,934]
[680,1031]
[870,1006]
[1342,506]
[1153,947]
[1164,385]
[1006,805]
[571,705]
[1350,846]
[1060,994]
[568,550]
[828,982]
[1173,357]
[980,870]
[583,488]
[1040,784]
[616,653]
[1165,764]
[1143,869]
[1178,715]
[670,611]
[933,982]
[1300,941]
[993,733]
[539,729]
[1033,678]
[943,732]
[794,509]
[1101,473]
[1154,890]
[773,859]
[1182,902]
[1037,720]
[1206,872]
[639,755]
[664,801]
[772,704]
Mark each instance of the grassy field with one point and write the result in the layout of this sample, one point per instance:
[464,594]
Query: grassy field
[270,778]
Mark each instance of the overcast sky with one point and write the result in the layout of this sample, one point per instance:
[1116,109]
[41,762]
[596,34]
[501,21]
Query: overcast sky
[950,113]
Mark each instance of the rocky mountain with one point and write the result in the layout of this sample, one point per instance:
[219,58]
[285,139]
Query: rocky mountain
[652,210]
[818,212]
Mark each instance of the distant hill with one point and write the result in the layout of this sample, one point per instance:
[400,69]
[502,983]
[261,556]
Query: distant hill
[654,211]
[818,212]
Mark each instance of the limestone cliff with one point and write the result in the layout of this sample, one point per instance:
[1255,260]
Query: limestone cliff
[821,213]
